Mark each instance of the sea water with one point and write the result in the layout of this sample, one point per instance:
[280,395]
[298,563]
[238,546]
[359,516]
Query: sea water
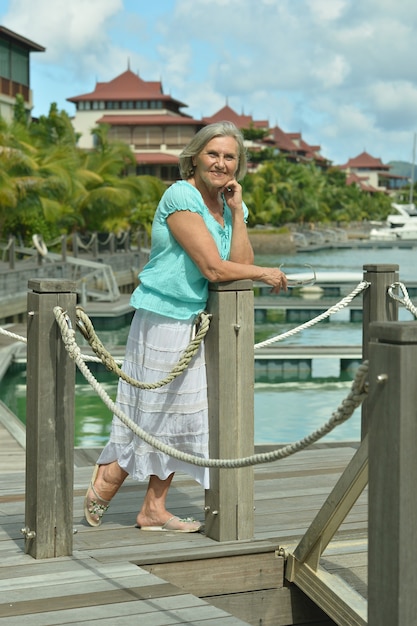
[285,411]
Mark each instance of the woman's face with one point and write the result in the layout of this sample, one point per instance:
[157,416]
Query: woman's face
[218,161]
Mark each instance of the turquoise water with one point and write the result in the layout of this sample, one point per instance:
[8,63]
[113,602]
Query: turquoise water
[284,411]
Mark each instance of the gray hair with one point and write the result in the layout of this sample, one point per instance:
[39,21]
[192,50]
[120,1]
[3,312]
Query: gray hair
[201,139]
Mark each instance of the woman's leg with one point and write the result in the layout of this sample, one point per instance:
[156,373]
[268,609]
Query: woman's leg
[109,479]
[153,512]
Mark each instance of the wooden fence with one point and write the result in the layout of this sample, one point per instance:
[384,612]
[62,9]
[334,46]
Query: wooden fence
[389,428]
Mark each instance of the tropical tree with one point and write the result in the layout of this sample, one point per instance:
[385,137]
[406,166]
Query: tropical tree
[281,192]
[49,186]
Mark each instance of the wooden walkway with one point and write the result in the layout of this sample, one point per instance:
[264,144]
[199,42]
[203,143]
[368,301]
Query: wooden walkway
[117,572]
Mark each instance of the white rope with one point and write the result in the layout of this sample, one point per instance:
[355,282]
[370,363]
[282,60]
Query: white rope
[406,301]
[122,238]
[40,245]
[106,241]
[7,333]
[334,309]
[88,245]
[344,411]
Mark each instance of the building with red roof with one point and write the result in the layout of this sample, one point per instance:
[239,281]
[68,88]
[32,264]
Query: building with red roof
[141,115]
[153,125]
[371,174]
[291,145]
[241,121]
[294,148]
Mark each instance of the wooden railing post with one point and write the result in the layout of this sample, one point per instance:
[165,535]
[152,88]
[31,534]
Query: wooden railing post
[377,307]
[112,243]
[230,376]
[64,248]
[49,422]
[74,242]
[392,551]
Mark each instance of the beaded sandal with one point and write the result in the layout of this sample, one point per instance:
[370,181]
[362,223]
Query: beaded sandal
[94,509]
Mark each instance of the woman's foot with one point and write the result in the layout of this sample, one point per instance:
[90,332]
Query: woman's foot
[172,523]
[94,505]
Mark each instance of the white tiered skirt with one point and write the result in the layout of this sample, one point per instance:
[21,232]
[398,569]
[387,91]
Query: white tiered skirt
[176,414]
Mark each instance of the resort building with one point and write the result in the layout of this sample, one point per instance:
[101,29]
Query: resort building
[141,115]
[291,145]
[15,71]
[295,148]
[155,127]
[371,175]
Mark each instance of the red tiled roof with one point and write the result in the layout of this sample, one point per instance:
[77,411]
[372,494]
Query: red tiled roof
[366,161]
[281,140]
[241,121]
[127,86]
[148,120]
[156,158]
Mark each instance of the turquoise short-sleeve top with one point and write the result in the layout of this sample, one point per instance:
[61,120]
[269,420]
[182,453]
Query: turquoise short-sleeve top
[171,283]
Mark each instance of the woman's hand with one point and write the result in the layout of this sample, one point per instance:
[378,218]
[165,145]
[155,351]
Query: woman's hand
[232,193]
[275,277]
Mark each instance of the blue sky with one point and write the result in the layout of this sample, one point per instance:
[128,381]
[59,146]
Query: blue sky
[341,72]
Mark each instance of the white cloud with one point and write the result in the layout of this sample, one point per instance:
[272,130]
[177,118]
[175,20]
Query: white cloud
[323,10]
[66,27]
[332,72]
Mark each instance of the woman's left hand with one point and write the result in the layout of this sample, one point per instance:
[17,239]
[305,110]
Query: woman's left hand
[233,195]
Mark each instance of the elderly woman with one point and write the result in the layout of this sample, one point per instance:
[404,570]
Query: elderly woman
[198,236]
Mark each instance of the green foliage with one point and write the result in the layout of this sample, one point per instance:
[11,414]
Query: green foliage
[20,114]
[282,192]
[254,134]
[49,186]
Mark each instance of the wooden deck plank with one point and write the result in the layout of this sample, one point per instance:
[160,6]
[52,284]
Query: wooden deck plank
[124,613]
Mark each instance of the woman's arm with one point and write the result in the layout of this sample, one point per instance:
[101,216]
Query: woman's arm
[190,231]
[241,249]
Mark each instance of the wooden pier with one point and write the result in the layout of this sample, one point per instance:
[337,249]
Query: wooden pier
[291,546]
[117,573]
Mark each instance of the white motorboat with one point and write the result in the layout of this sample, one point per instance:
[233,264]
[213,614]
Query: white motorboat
[399,225]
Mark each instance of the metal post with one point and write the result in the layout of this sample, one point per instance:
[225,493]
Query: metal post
[377,307]
[392,552]
[49,423]
[230,376]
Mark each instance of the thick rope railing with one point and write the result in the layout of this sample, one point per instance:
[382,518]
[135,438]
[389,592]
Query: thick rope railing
[344,411]
[344,302]
[405,301]
[86,327]
[88,245]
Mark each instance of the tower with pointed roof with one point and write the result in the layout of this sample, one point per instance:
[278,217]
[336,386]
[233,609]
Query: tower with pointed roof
[371,174]
[141,115]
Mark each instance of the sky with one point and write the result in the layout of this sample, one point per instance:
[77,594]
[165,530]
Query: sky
[341,72]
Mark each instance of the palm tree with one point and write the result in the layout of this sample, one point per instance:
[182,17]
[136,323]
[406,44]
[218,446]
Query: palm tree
[49,186]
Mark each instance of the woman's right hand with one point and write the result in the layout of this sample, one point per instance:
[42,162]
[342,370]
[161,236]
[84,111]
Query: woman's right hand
[275,277]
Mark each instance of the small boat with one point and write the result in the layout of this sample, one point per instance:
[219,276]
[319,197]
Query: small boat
[399,225]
